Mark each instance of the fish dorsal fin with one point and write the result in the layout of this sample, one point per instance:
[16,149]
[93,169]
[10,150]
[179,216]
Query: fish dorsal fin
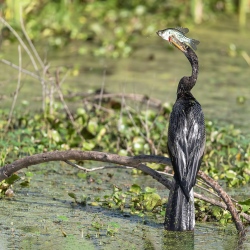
[182,30]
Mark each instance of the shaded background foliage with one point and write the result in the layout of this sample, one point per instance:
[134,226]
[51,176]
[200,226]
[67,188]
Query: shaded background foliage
[112,25]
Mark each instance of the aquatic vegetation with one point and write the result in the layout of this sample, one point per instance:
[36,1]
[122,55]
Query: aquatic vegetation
[98,227]
[228,155]
[134,200]
[127,132]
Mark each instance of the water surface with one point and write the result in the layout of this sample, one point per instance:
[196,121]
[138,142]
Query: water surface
[43,216]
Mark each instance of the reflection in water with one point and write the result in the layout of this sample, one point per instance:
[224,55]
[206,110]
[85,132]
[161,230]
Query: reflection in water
[212,236]
[178,240]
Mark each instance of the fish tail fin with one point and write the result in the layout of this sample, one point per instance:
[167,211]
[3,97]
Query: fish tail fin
[194,43]
[180,212]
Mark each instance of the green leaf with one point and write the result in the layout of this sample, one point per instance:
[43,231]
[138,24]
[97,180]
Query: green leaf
[135,189]
[95,204]
[114,224]
[152,200]
[92,127]
[87,134]
[13,178]
[62,217]
[245,208]
[88,145]
[29,174]
[230,174]
[81,111]
[72,195]
[25,183]
[245,202]
[216,212]
[54,135]
[97,225]
[82,175]
[150,190]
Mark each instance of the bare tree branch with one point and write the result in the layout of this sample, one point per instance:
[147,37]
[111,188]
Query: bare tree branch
[4,22]
[135,162]
[102,88]
[226,198]
[17,87]
[28,39]
[134,97]
[25,71]
[96,169]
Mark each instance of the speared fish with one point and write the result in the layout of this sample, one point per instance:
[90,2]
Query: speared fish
[176,36]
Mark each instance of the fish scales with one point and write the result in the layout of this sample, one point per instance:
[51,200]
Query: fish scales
[176,36]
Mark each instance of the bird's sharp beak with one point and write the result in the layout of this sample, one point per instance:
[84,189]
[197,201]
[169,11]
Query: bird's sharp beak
[178,45]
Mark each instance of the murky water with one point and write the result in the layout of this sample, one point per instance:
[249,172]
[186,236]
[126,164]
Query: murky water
[43,216]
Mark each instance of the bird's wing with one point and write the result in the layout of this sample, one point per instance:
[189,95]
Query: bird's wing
[196,143]
[186,143]
[178,146]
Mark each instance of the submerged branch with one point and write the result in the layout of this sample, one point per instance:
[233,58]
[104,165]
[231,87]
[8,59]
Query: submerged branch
[125,161]
[134,97]
[144,99]
[17,88]
[4,22]
[226,198]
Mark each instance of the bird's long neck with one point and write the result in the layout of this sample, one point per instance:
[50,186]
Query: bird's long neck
[187,82]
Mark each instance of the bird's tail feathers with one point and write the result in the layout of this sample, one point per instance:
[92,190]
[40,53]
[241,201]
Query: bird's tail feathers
[180,211]
[185,188]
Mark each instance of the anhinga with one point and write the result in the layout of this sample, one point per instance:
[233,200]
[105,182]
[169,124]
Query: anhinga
[186,144]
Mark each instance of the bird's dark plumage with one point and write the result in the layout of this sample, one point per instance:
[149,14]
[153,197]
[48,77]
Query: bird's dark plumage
[186,144]
[186,140]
